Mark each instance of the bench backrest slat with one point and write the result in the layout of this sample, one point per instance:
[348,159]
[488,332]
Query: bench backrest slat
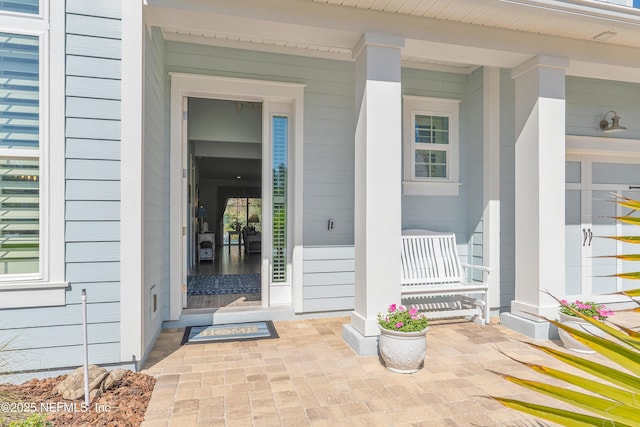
[430,259]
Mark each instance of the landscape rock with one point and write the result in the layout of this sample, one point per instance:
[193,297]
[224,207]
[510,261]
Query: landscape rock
[113,379]
[72,387]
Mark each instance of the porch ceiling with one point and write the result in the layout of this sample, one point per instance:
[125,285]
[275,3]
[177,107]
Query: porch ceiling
[582,20]
[451,35]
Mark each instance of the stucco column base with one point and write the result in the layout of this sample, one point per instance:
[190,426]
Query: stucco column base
[361,345]
[536,329]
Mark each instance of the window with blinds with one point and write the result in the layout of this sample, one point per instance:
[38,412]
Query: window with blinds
[280,144]
[19,149]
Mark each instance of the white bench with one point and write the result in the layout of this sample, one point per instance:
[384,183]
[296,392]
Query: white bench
[433,279]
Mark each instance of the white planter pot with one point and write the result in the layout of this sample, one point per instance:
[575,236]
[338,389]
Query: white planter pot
[575,322]
[403,352]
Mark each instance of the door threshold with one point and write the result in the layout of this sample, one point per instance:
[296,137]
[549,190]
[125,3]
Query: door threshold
[240,314]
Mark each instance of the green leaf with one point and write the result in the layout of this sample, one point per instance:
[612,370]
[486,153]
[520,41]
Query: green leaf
[614,376]
[633,220]
[560,416]
[626,239]
[625,257]
[615,411]
[627,202]
[614,393]
[623,356]
[630,276]
[632,293]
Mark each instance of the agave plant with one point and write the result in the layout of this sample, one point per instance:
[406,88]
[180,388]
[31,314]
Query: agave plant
[614,403]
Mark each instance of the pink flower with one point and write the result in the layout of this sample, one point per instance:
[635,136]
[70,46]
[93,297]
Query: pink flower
[413,311]
[563,302]
[414,317]
[392,308]
[402,308]
[399,325]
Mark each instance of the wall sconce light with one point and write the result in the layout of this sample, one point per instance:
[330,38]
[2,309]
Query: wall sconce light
[614,126]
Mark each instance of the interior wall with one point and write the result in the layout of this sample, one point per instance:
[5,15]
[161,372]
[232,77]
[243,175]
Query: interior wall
[224,120]
[220,130]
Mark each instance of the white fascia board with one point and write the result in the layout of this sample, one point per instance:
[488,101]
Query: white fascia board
[587,8]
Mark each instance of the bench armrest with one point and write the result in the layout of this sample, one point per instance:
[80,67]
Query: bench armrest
[485,270]
[477,267]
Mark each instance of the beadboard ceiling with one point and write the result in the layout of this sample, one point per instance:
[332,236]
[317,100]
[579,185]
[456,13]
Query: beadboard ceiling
[584,20]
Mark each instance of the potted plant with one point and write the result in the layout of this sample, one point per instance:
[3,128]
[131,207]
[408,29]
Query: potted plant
[403,338]
[568,317]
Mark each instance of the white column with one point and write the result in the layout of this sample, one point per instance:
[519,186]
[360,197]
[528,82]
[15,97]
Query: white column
[539,186]
[378,148]
[491,181]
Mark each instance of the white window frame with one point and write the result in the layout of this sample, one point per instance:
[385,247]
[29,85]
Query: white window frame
[47,287]
[424,106]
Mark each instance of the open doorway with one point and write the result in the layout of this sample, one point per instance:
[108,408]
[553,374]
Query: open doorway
[281,159]
[225,185]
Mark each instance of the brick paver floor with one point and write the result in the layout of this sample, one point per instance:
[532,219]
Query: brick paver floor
[309,376]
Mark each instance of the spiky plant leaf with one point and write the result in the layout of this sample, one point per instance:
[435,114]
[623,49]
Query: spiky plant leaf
[616,411]
[626,239]
[632,293]
[633,220]
[624,257]
[556,415]
[628,331]
[630,276]
[612,375]
[614,393]
[623,356]
[629,203]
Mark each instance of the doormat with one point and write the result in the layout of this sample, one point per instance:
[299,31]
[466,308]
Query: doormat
[224,284]
[230,332]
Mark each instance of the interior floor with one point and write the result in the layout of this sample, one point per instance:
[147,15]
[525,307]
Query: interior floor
[227,260]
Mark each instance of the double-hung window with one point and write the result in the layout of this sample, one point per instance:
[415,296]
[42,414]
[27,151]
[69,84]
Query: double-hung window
[430,146]
[31,269]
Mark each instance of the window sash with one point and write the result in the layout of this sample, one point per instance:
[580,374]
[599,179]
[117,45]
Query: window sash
[27,7]
[430,135]
[22,122]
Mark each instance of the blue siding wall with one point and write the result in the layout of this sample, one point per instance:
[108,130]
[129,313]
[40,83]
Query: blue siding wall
[589,99]
[328,124]
[445,213]
[473,116]
[93,175]
[51,337]
[156,189]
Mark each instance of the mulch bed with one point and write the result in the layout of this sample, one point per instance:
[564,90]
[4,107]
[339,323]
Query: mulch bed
[122,406]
